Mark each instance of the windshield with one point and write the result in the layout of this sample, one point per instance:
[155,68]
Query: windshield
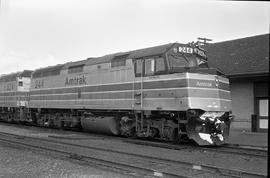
[182,61]
[183,57]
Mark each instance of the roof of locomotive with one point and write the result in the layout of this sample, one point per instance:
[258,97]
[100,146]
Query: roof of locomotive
[48,71]
[54,70]
[139,53]
[13,76]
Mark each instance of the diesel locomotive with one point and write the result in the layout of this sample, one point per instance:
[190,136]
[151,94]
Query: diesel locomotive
[165,92]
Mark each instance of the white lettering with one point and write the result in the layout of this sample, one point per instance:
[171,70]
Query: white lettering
[185,50]
[204,84]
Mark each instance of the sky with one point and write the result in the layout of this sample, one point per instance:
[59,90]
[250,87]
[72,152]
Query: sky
[40,33]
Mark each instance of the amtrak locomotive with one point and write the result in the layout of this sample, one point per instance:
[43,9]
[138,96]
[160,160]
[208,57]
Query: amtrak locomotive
[166,92]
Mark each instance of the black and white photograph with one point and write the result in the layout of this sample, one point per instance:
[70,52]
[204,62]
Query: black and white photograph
[134,88]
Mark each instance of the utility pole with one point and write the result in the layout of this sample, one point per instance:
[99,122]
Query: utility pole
[203,41]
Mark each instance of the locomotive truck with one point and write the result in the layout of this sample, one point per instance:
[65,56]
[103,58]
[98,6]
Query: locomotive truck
[165,92]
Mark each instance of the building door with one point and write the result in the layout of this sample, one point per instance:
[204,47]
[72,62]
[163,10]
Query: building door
[261,105]
[262,114]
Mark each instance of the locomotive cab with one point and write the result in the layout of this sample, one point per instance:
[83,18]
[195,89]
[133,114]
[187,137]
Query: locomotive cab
[195,97]
[209,102]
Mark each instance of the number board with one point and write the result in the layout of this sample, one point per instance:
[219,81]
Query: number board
[190,50]
[185,49]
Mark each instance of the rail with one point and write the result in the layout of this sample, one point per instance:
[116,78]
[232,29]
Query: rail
[118,159]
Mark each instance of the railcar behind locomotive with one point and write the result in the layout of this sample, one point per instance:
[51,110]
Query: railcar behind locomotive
[14,95]
[166,92]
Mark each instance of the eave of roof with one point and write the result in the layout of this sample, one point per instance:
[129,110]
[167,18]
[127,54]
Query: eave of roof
[246,75]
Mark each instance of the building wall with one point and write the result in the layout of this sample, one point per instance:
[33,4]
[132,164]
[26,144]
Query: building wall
[242,104]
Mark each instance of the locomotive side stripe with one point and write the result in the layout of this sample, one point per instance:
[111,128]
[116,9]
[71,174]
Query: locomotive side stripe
[129,94]
[149,104]
[130,99]
[129,86]
[144,90]
[208,84]
[203,98]
[206,77]
[116,83]
[145,80]
[12,93]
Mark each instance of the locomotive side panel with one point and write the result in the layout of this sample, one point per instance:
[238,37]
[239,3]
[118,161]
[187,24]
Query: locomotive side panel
[14,96]
[23,88]
[209,92]
[8,92]
[98,87]
[161,92]
[15,92]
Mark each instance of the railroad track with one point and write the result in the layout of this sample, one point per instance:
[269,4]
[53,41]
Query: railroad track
[227,149]
[136,164]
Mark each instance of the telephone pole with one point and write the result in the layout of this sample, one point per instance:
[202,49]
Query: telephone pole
[203,41]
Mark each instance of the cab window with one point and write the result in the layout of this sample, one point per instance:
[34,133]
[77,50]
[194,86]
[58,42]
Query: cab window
[160,65]
[149,67]
[138,68]
[178,62]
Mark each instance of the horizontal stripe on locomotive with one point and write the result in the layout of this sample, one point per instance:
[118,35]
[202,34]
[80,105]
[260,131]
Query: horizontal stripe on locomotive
[13,98]
[8,103]
[115,83]
[13,93]
[130,104]
[144,90]
[180,83]
[130,99]
[199,76]
[16,96]
[169,93]
[210,104]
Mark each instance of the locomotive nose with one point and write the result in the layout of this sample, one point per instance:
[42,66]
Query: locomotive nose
[220,126]
[211,128]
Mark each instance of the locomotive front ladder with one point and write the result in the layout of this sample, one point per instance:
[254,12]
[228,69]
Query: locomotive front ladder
[138,88]
[138,97]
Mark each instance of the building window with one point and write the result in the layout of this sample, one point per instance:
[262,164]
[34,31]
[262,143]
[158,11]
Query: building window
[263,113]
[75,69]
[263,107]
[20,84]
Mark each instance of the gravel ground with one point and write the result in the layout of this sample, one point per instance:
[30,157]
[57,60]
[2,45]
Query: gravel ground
[22,163]
[195,156]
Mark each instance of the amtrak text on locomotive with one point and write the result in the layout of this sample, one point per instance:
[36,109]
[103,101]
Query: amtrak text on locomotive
[78,80]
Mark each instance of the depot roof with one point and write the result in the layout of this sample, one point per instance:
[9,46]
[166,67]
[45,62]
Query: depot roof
[241,57]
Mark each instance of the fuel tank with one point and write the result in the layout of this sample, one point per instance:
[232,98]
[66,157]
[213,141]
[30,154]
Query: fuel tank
[98,124]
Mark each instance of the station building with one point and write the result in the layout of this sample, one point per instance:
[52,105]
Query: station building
[246,63]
